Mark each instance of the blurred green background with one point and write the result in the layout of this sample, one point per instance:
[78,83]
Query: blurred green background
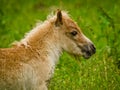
[98,19]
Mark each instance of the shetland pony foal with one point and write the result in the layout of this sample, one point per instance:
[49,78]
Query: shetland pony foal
[30,63]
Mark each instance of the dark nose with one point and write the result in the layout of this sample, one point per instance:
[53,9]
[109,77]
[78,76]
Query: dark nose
[89,50]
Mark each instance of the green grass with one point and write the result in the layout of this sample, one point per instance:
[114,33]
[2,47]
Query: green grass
[99,20]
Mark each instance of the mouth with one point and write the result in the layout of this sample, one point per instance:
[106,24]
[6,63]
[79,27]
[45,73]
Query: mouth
[87,55]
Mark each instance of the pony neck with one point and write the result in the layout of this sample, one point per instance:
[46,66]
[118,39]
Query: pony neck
[45,41]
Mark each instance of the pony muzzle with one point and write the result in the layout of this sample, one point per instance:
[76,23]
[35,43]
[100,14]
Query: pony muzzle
[88,50]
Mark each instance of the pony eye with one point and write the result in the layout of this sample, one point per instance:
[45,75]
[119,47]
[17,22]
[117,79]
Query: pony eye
[74,33]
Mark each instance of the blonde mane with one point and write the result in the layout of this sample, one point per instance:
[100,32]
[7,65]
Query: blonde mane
[37,29]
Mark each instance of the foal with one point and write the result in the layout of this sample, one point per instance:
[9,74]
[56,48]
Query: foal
[30,63]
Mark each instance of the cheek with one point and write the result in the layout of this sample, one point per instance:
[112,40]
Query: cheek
[70,46]
[67,42]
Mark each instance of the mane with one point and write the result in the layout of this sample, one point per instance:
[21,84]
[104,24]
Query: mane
[39,26]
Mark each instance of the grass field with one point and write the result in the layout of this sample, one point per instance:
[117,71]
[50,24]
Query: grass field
[98,19]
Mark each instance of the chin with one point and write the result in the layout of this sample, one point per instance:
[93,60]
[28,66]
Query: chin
[86,57]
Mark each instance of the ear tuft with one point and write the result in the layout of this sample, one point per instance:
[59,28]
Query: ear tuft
[58,21]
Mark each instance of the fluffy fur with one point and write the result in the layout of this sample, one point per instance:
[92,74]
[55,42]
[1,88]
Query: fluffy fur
[30,63]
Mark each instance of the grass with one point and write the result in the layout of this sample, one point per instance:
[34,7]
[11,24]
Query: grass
[99,20]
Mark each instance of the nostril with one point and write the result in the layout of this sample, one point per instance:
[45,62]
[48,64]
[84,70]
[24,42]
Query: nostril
[93,48]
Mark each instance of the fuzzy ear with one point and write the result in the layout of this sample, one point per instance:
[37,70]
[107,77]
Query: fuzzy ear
[58,21]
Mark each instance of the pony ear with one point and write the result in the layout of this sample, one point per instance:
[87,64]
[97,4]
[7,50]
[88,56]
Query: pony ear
[58,21]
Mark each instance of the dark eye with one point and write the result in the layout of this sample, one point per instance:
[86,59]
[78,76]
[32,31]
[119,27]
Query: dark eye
[73,33]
